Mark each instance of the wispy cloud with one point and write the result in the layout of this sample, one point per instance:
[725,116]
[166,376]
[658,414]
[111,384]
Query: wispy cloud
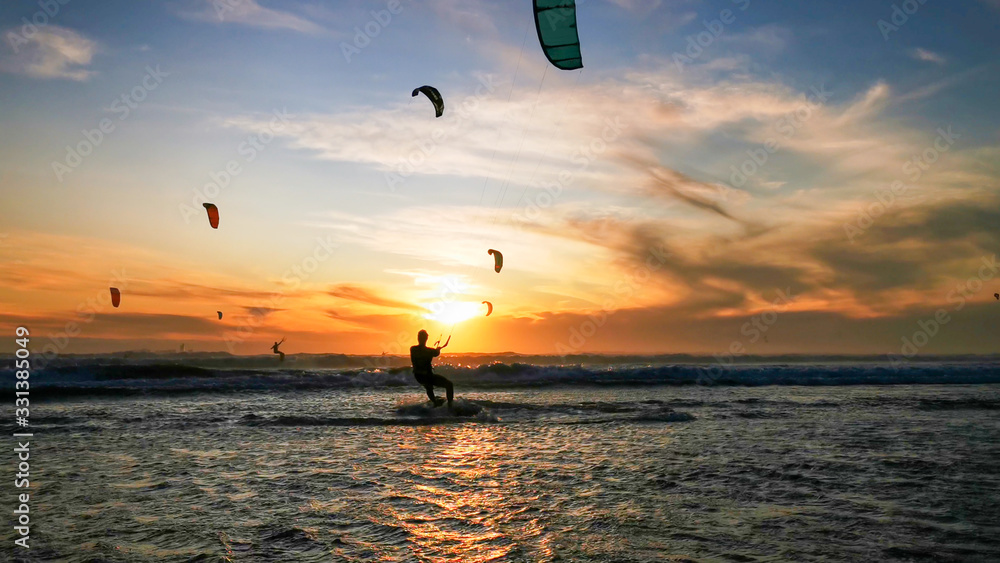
[764,39]
[52,52]
[261,312]
[935,87]
[666,182]
[476,16]
[357,293]
[249,13]
[639,6]
[927,56]
[847,149]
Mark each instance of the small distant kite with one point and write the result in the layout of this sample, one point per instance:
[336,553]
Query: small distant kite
[213,214]
[220,314]
[997,295]
[497,259]
[489,308]
[434,96]
[116,297]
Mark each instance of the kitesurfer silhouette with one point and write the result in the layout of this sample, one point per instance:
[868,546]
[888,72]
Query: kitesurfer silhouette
[281,355]
[421,356]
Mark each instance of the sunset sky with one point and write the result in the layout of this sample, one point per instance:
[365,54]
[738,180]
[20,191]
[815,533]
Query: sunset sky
[655,201]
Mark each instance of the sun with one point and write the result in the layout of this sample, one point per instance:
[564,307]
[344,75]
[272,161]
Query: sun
[447,306]
[454,312]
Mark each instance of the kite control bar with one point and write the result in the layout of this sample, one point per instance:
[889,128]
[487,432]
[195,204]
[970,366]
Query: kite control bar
[449,336]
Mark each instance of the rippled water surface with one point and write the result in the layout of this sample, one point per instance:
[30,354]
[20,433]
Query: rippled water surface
[904,473]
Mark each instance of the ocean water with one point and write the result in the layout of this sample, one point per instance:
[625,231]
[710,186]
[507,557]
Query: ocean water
[611,463]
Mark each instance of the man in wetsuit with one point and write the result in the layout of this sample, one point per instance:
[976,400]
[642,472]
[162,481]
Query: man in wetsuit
[281,355]
[421,357]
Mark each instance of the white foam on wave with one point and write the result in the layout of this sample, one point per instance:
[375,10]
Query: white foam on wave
[95,378]
[460,408]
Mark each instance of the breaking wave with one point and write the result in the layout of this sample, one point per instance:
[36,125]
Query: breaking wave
[117,377]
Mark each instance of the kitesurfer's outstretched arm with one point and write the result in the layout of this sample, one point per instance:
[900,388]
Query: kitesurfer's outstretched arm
[281,355]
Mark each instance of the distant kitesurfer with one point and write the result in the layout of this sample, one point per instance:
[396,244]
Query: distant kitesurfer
[281,355]
[421,356]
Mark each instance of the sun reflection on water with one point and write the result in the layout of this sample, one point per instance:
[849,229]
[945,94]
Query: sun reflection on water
[457,497]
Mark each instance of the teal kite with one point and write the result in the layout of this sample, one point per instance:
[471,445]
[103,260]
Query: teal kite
[555,21]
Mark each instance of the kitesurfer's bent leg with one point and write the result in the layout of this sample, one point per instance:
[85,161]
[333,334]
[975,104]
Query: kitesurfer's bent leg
[430,392]
[281,356]
[448,387]
[428,383]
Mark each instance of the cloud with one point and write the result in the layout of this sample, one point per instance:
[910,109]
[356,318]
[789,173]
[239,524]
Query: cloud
[552,130]
[476,17]
[827,165]
[638,6]
[927,56]
[261,312]
[935,87]
[912,254]
[249,13]
[52,52]
[667,329]
[653,185]
[172,289]
[143,325]
[764,39]
[360,294]
[721,273]
[674,185]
